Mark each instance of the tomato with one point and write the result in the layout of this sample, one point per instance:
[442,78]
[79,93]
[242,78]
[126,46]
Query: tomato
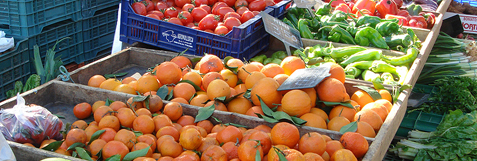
[250,1]
[181,3]
[221,30]
[240,3]
[206,8]
[175,20]
[195,27]
[212,2]
[139,8]
[190,25]
[224,10]
[221,24]
[257,5]
[217,6]
[200,2]
[185,17]
[209,22]
[152,15]
[149,5]
[170,3]
[241,10]
[232,14]
[256,12]
[247,15]
[209,31]
[269,3]
[198,13]
[161,6]
[188,7]
[231,22]
[230,3]
[171,12]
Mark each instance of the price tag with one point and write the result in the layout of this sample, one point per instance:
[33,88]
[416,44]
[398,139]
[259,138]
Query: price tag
[306,4]
[318,4]
[305,78]
[288,35]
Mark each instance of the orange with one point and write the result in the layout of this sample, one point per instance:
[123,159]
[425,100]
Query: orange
[266,88]
[169,147]
[140,145]
[312,142]
[80,124]
[296,103]
[218,88]
[209,77]
[272,154]
[82,110]
[229,77]
[109,122]
[333,146]
[343,111]
[207,142]
[293,155]
[90,130]
[127,137]
[312,94]
[184,90]
[229,134]
[168,130]
[201,130]
[217,128]
[160,121]
[96,80]
[75,136]
[180,100]
[240,89]
[332,90]
[292,63]
[253,78]
[108,134]
[210,63]
[150,140]
[173,110]
[248,149]
[336,71]
[280,78]
[114,147]
[126,117]
[246,70]
[186,120]
[144,124]
[110,84]
[231,149]
[214,153]
[133,84]
[168,73]
[247,134]
[206,124]
[325,156]
[199,100]
[355,142]
[177,126]
[343,154]
[116,105]
[190,139]
[128,80]
[337,123]
[370,117]
[97,104]
[96,146]
[263,128]
[235,63]
[271,70]
[258,64]
[239,105]
[46,142]
[155,103]
[182,61]
[320,113]
[125,88]
[362,98]
[380,109]
[166,158]
[286,134]
[253,110]
[265,140]
[313,120]
[313,157]
[134,104]
[187,156]
[147,83]
[385,95]
[385,103]
[365,129]
[194,77]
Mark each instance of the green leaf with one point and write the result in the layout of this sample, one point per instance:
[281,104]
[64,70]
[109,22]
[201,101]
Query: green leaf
[236,125]
[139,98]
[53,146]
[73,146]
[204,113]
[74,154]
[347,104]
[281,157]
[162,92]
[38,63]
[108,102]
[96,135]
[217,120]
[266,118]
[138,133]
[247,93]
[83,154]
[378,85]
[116,157]
[280,115]
[59,116]
[372,92]
[170,95]
[195,60]
[197,88]
[266,110]
[232,98]
[32,82]
[221,99]
[135,154]
[298,121]
[10,93]
[183,52]
[351,127]
[18,87]
[115,75]
[257,156]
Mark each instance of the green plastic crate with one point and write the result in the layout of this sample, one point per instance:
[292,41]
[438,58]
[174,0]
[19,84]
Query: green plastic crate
[418,120]
[14,66]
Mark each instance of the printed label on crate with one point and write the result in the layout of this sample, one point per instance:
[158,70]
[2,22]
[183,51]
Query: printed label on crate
[282,31]
[469,23]
[178,38]
[305,3]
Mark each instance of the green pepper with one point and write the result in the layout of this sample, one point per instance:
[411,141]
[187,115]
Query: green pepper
[388,78]
[352,71]
[381,67]
[368,35]
[338,16]
[387,28]
[339,52]
[279,54]
[259,58]
[316,60]
[318,52]
[414,9]
[276,61]
[288,22]
[308,50]
[293,19]
[415,40]
[360,65]
[315,24]
[365,55]
[267,61]
[398,40]
[325,9]
[352,30]
[370,76]
[345,36]
[372,21]
[305,32]
[332,23]
[329,59]
[411,55]
[294,10]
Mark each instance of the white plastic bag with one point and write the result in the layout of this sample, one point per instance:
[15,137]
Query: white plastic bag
[6,153]
[5,43]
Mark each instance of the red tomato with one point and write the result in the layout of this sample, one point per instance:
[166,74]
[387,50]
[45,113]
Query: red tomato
[249,1]
[217,6]
[221,30]
[231,22]
[247,15]
[231,14]
[209,22]
[188,7]
[139,8]
[230,3]
[209,31]
[158,13]
[257,5]
[185,17]
[221,24]
[171,12]
[149,5]
[170,3]
[161,6]
[224,10]
[241,3]
[256,12]
[152,15]
[175,20]
[181,3]
[200,2]
[241,10]
[206,8]
[198,13]
[190,25]
[212,2]
[196,27]
[269,3]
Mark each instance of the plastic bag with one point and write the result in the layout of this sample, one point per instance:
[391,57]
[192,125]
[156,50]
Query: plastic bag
[5,43]
[29,123]
[6,153]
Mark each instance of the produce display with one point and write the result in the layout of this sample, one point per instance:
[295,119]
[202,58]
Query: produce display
[212,16]
[464,8]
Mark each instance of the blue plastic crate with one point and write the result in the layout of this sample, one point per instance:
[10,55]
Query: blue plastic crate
[29,17]
[14,66]
[70,50]
[244,41]
[89,7]
[98,32]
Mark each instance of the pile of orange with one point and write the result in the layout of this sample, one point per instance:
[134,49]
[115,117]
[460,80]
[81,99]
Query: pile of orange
[215,81]
[171,135]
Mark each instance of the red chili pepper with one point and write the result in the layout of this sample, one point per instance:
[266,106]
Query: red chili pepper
[369,5]
[402,20]
[350,4]
[398,3]
[430,18]
[343,7]
[385,7]
[418,21]
[337,3]
[404,13]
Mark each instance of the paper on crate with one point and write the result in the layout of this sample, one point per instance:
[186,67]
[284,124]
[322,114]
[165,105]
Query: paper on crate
[469,22]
